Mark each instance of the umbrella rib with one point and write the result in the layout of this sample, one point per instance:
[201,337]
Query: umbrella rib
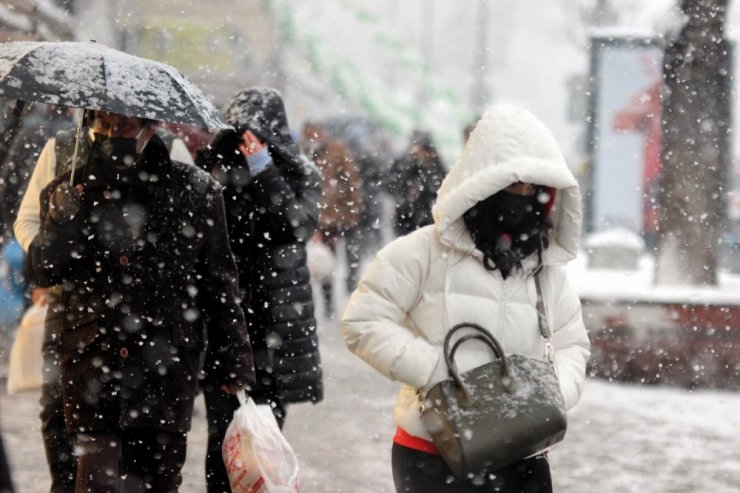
[187,93]
[105,77]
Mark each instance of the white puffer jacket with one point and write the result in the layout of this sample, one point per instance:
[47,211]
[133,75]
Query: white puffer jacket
[421,285]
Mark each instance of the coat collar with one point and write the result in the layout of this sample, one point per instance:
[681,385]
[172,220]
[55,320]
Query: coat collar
[153,166]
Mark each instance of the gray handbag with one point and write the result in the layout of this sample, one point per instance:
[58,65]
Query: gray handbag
[496,414]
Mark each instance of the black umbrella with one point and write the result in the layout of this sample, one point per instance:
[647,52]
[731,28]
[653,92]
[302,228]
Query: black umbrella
[90,75]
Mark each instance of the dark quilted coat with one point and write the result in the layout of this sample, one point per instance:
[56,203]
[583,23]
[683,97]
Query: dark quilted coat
[145,267]
[270,219]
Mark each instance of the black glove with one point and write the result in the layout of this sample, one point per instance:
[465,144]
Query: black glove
[65,203]
[224,151]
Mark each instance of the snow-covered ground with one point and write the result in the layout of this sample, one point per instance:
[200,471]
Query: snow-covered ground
[626,438]
[637,285]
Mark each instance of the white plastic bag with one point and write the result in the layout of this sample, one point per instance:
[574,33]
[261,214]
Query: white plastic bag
[26,360]
[257,456]
[320,260]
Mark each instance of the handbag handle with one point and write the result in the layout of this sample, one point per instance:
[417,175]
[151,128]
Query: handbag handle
[487,338]
[482,335]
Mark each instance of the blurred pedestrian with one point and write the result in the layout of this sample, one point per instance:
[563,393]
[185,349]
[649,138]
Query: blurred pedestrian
[21,158]
[496,233]
[413,182]
[13,300]
[38,125]
[342,188]
[140,246]
[55,158]
[365,238]
[272,196]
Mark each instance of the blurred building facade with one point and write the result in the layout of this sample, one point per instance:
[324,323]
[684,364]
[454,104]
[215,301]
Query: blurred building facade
[221,45]
[42,20]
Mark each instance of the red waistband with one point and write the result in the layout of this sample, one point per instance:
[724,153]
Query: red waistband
[404,439]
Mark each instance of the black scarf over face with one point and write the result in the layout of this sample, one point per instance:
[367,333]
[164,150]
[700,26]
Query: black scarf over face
[507,228]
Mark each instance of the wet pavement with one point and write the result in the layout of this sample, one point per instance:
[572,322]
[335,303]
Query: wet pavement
[353,423]
[620,438]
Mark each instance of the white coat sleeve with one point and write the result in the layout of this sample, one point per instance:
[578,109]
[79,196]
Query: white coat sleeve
[28,222]
[373,324]
[569,335]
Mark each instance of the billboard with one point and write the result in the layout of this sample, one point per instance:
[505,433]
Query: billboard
[624,134]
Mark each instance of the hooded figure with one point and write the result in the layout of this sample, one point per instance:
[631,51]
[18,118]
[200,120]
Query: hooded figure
[272,199]
[508,210]
[271,215]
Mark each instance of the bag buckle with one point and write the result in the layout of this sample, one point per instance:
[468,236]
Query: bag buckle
[549,351]
[420,398]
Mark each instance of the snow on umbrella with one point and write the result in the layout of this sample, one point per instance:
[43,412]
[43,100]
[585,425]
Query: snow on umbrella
[90,75]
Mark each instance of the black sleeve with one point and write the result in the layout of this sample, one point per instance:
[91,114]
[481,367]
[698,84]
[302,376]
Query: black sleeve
[52,250]
[229,358]
[396,177]
[293,211]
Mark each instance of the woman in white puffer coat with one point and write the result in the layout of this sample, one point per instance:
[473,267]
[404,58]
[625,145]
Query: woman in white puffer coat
[509,209]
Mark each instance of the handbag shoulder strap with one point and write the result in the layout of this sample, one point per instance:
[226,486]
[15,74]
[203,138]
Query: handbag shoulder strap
[542,319]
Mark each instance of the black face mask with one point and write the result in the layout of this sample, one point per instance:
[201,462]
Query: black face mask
[510,210]
[119,151]
[506,227]
[504,212]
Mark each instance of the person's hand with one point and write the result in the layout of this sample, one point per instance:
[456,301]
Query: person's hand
[256,153]
[250,144]
[65,202]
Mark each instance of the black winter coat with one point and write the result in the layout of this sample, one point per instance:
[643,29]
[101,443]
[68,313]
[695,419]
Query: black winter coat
[414,185]
[270,219]
[144,266]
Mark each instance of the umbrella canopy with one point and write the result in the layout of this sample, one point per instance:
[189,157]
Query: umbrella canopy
[90,75]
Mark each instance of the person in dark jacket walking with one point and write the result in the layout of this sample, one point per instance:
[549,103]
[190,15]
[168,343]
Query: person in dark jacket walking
[414,180]
[54,159]
[365,239]
[272,195]
[140,247]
